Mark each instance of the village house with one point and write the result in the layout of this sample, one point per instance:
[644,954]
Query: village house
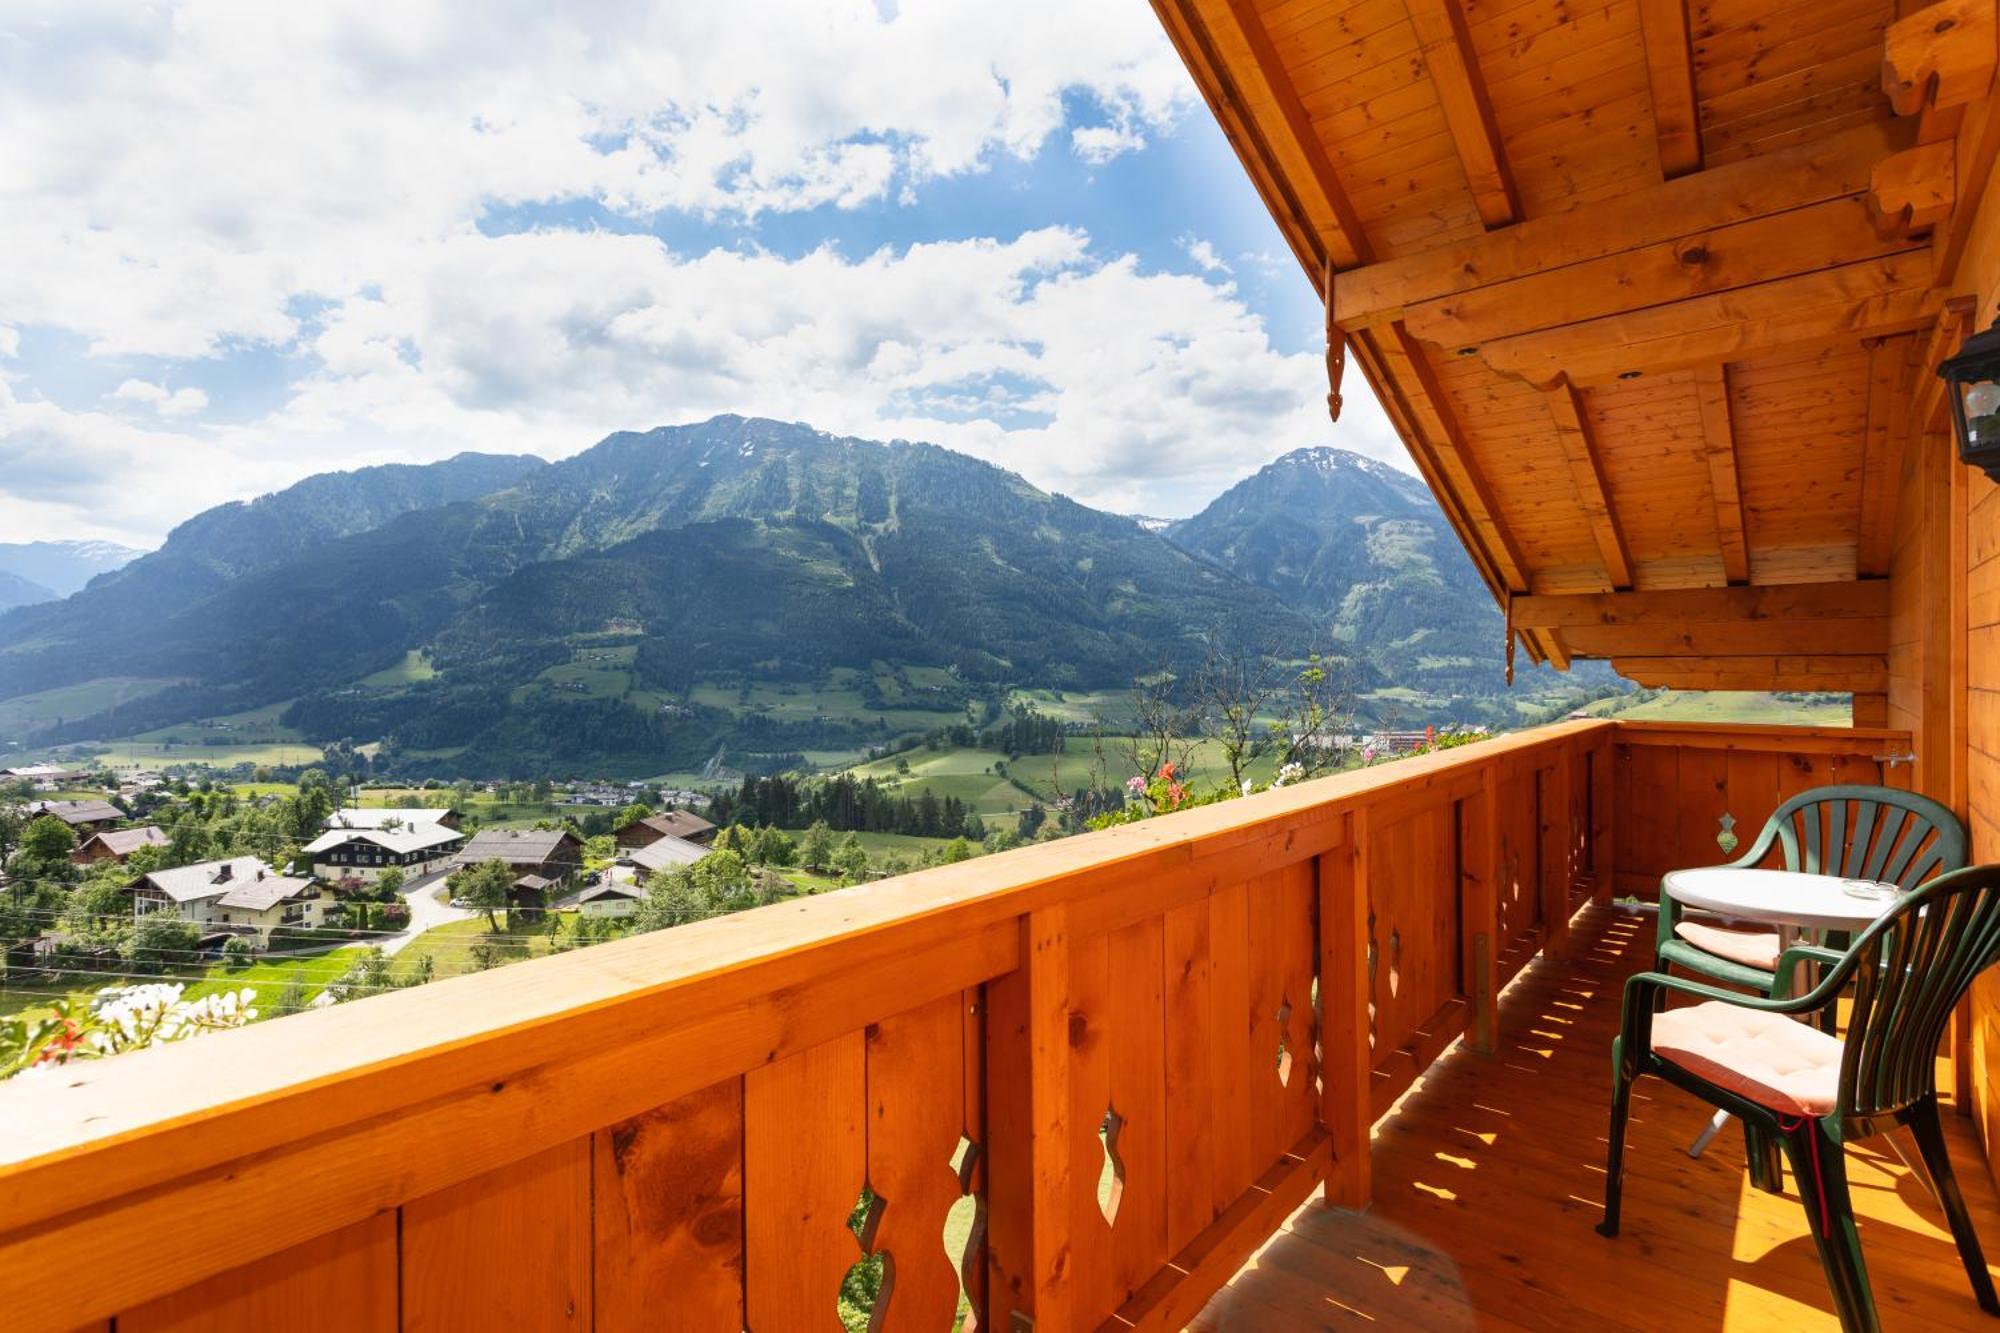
[543,860]
[84,817]
[363,854]
[241,895]
[683,824]
[394,817]
[116,844]
[661,854]
[610,899]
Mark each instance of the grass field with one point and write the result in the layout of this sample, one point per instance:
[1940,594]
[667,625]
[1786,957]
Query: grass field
[409,671]
[1114,707]
[1824,710]
[451,946]
[26,712]
[267,976]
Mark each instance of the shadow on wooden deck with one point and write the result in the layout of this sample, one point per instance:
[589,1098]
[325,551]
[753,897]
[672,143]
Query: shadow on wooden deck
[1489,1179]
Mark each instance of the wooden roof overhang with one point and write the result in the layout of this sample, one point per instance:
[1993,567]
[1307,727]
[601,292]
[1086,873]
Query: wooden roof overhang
[1651,289]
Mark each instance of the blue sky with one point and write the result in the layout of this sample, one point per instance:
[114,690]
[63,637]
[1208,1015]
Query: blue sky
[257,243]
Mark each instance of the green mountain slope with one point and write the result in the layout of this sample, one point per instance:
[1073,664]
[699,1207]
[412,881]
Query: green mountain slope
[1365,546]
[735,548]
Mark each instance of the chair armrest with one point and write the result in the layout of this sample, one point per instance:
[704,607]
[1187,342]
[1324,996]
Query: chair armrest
[1641,986]
[1789,961]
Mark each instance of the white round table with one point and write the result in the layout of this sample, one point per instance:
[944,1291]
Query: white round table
[1790,900]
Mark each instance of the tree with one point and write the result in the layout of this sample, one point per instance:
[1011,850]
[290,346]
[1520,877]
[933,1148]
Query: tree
[851,860]
[1234,686]
[161,941]
[389,883]
[775,847]
[632,814]
[47,840]
[487,886]
[816,847]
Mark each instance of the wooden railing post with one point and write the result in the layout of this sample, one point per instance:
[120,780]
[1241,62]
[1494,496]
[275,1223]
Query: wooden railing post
[1027,1129]
[1479,898]
[1603,822]
[1348,1069]
[1555,836]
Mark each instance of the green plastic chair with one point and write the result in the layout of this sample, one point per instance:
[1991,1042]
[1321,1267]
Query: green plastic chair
[1855,832]
[1907,972]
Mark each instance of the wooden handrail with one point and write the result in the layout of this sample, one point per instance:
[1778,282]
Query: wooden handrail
[171,1167]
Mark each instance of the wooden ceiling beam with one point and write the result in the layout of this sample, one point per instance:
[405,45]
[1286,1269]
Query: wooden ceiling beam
[1768,604]
[1593,496]
[1468,112]
[1270,145]
[1778,182]
[1881,456]
[1847,673]
[1805,240]
[1836,306]
[1914,190]
[1663,26]
[1732,638]
[1719,451]
[1941,56]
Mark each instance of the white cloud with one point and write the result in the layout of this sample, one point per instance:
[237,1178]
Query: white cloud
[1203,254]
[173,178]
[191,179]
[10,341]
[1098,144]
[167,402]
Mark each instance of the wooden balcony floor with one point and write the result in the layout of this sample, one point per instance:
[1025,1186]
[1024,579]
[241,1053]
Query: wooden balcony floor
[1489,1181]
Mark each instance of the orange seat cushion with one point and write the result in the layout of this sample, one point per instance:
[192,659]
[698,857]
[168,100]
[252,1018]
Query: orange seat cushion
[1752,946]
[1762,1057]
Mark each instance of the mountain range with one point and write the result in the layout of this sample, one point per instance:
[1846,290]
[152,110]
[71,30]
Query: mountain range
[33,572]
[488,613]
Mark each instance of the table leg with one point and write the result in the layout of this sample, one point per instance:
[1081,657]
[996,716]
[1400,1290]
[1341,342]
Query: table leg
[1707,1135]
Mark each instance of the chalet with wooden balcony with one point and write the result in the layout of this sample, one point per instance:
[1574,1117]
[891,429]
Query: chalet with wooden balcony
[1657,294]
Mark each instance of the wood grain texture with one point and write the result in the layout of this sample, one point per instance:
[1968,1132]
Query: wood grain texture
[507,1250]
[343,1282]
[804,1166]
[668,1204]
[915,1118]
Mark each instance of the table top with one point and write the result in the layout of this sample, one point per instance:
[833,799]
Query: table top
[1780,897]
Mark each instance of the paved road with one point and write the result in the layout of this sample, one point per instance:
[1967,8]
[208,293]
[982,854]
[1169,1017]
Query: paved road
[428,908]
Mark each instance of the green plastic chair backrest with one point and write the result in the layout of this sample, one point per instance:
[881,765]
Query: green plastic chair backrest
[1859,832]
[1909,971]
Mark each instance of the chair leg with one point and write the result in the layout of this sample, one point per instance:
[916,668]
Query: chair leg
[1614,1166]
[1937,1160]
[1819,1166]
[1765,1158]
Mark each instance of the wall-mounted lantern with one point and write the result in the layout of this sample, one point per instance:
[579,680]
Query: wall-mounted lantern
[1972,379]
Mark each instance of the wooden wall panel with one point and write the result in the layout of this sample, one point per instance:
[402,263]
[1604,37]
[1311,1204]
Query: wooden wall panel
[915,1118]
[804,1166]
[668,1209]
[344,1282]
[508,1249]
[1673,793]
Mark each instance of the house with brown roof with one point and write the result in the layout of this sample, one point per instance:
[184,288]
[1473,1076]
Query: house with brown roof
[544,861]
[683,824]
[117,844]
[85,817]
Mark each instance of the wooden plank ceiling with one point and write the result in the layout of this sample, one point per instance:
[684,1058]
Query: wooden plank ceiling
[1646,286]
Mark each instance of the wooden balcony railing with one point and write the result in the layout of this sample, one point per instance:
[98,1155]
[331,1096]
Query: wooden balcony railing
[1135,1052]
